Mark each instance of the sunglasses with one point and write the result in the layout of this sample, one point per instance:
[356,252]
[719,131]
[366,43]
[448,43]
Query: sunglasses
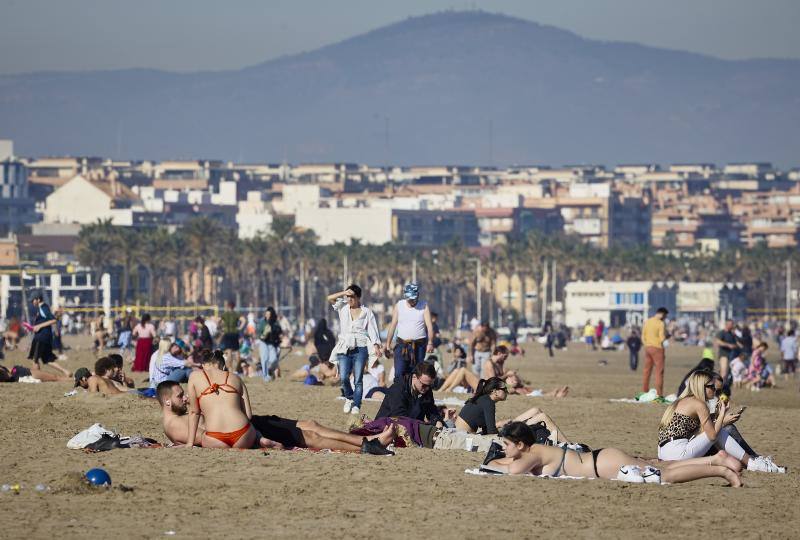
[714,388]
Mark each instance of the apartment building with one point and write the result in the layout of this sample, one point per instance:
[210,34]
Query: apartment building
[17,208]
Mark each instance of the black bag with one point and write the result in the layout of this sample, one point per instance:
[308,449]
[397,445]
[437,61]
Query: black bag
[541,434]
[495,452]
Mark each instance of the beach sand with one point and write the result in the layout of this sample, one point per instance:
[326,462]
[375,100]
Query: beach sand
[417,493]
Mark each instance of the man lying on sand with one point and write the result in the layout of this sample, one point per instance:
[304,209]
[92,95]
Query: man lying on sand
[100,382]
[16,372]
[270,431]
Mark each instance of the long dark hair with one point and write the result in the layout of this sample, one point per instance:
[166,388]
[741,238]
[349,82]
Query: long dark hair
[272,315]
[321,329]
[486,387]
[207,356]
[518,432]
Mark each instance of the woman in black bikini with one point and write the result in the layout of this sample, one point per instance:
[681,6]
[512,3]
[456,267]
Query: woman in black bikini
[524,456]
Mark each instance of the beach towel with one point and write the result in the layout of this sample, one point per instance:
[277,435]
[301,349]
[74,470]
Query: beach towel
[484,471]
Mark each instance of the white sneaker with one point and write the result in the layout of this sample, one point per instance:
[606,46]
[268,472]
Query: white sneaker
[630,473]
[348,404]
[355,411]
[764,464]
[651,475]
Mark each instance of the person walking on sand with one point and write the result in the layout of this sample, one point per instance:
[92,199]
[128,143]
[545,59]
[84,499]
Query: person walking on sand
[144,333]
[654,334]
[42,344]
[411,317]
[358,340]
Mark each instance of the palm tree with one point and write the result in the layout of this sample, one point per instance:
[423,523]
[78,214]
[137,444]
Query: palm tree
[95,242]
[126,250]
[202,240]
[156,253]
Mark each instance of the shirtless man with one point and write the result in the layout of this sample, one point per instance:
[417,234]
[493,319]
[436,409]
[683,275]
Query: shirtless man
[281,432]
[101,382]
[323,371]
[484,340]
[494,365]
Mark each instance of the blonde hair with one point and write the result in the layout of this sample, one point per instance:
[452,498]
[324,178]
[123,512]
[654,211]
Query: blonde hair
[163,348]
[695,387]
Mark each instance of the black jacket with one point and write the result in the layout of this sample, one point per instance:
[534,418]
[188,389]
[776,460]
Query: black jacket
[400,401]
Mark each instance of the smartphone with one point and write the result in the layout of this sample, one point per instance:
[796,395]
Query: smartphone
[741,410]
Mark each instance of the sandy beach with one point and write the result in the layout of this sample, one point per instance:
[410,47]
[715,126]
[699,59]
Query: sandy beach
[417,493]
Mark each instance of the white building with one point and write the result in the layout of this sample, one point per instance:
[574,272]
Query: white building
[714,302]
[296,196]
[616,303]
[368,225]
[254,216]
[84,202]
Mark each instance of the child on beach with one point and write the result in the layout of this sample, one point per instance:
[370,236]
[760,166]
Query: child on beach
[739,371]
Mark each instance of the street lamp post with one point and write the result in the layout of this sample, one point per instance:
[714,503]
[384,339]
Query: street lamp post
[478,287]
[21,281]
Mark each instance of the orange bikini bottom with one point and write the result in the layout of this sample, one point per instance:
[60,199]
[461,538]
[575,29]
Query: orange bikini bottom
[229,438]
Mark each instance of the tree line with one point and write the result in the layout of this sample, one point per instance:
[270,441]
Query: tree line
[205,262]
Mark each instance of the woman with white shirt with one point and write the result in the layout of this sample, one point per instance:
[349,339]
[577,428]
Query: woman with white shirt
[358,340]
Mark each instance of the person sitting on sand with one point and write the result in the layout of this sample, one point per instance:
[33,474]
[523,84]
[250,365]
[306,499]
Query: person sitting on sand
[12,334]
[517,386]
[523,455]
[687,429]
[17,372]
[222,398]
[494,366]
[82,376]
[169,363]
[478,413]
[274,431]
[412,397]
[101,382]
[317,371]
[118,376]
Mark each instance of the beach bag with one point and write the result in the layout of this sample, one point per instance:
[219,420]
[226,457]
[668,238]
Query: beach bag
[88,436]
[540,433]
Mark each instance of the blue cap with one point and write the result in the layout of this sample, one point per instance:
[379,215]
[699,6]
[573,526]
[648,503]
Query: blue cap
[98,477]
[411,291]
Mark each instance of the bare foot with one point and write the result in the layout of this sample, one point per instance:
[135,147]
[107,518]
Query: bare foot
[386,437]
[733,478]
[562,392]
[263,442]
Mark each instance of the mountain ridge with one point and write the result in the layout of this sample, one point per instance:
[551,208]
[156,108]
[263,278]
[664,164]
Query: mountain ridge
[441,80]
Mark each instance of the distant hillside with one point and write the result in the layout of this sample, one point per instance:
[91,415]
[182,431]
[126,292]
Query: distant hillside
[455,87]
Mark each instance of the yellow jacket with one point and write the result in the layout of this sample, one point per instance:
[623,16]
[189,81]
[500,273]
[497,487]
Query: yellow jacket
[654,333]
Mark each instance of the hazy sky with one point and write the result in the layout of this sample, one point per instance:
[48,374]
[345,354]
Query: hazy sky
[187,35]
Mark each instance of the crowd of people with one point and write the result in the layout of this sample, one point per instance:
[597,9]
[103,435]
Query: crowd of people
[697,435]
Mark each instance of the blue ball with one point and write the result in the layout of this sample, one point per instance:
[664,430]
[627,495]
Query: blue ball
[98,477]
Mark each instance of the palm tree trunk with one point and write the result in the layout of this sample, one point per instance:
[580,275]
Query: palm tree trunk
[201,292]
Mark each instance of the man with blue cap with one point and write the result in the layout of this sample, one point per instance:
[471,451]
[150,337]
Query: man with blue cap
[411,317]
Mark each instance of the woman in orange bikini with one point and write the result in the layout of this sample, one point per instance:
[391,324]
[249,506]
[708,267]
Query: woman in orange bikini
[221,397]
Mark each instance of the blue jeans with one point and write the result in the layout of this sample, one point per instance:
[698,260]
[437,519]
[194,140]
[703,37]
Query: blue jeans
[402,366]
[633,359]
[179,375]
[268,354]
[353,362]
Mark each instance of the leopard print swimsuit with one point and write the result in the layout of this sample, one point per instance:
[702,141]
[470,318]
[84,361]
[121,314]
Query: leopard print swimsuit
[680,427]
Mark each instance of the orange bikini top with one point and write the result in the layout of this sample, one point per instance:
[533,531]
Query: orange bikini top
[214,388]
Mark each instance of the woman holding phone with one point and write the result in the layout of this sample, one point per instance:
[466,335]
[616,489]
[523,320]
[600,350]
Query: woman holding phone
[698,420]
